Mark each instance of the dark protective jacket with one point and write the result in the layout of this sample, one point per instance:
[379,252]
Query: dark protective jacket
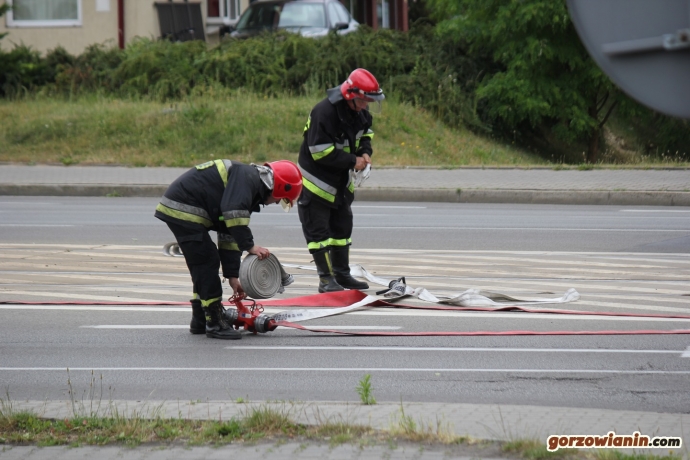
[219,195]
[327,157]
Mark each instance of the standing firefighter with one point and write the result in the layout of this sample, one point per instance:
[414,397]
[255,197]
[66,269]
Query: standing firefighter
[337,140]
[220,195]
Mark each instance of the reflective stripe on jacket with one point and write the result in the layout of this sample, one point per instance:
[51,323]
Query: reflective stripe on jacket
[217,195]
[326,157]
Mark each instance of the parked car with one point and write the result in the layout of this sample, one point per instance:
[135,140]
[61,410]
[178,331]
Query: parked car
[310,18]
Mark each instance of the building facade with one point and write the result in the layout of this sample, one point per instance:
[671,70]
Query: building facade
[76,24]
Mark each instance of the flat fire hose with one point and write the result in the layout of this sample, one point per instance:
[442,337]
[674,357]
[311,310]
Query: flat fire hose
[336,303]
[398,289]
[330,305]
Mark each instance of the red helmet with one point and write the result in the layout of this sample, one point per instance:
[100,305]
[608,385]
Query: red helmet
[362,84]
[287,180]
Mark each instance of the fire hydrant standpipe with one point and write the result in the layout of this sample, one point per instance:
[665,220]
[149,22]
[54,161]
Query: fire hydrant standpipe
[250,318]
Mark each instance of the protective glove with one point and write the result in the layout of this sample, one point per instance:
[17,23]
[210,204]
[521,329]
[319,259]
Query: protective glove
[362,175]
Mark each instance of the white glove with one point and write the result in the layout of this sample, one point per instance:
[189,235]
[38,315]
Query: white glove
[361,176]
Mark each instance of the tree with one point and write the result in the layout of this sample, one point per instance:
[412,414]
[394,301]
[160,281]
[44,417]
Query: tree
[537,72]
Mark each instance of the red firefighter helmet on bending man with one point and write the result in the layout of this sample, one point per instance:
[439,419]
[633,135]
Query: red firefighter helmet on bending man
[361,84]
[287,182]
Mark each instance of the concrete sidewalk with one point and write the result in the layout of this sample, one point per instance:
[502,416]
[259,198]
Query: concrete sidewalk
[466,185]
[479,421]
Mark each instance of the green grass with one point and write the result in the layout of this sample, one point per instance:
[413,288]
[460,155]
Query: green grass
[218,123]
[262,422]
[265,423]
[221,124]
[364,390]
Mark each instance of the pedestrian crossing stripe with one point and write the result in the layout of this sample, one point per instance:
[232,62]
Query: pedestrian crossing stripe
[133,273]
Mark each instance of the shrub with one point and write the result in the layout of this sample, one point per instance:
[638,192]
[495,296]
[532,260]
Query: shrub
[159,69]
[91,71]
[22,70]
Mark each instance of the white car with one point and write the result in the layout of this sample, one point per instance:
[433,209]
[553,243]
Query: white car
[310,18]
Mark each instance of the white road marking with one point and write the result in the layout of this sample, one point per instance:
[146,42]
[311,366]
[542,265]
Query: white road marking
[377,311]
[59,295]
[156,249]
[686,353]
[510,315]
[138,326]
[174,326]
[491,264]
[36,225]
[500,350]
[390,207]
[540,229]
[94,308]
[541,271]
[370,328]
[685,311]
[138,280]
[650,210]
[348,369]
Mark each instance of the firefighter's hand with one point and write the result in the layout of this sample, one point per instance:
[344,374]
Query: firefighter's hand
[236,286]
[367,158]
[260,252]
[361,163]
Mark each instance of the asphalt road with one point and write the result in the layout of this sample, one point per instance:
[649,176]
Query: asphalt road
[629,260]
[432,226]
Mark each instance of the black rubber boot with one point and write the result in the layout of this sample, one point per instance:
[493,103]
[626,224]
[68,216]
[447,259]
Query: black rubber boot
[198,323]
[327,282]
[341,269]
[217,326]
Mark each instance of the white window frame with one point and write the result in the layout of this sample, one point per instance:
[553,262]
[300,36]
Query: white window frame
[224,17]
[11,22]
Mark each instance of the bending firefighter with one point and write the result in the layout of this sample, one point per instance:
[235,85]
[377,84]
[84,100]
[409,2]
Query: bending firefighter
[337,142]
[221,195]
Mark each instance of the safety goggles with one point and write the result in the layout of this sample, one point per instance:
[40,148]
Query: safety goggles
[369,96]
[372,98]
[286,204]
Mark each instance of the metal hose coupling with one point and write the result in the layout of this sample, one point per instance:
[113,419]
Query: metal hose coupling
[396,288]
[264,323]
[231,315]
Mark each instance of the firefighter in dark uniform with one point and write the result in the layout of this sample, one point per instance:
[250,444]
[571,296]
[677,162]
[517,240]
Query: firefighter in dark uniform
[337,142]
[220,195]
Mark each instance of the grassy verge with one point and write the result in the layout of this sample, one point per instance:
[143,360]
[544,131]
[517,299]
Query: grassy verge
[238,125]
[266,424]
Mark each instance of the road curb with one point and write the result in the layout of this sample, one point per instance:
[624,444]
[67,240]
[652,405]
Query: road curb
[582,197]
[82,190]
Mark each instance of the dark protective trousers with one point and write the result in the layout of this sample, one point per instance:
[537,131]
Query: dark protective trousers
[324,226]
[203,261]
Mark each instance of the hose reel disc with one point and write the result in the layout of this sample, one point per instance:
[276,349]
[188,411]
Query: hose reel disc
[172,250]
[261,279]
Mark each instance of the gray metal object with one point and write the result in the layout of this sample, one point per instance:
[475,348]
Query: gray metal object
[642,45]
[172,250]
[261,279]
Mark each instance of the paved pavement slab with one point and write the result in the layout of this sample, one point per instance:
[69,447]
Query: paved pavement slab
[499,185]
